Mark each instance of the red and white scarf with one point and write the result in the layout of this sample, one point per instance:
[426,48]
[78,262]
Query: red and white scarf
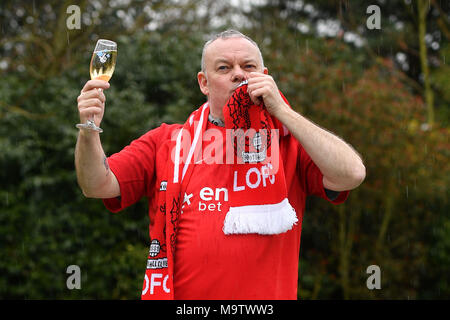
[261,206]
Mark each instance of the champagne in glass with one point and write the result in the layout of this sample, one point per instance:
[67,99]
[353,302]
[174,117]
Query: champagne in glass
[103,63]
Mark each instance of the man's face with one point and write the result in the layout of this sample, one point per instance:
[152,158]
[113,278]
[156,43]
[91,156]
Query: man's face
[227,63]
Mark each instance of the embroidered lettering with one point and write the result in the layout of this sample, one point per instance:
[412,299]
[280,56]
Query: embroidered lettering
[157,263]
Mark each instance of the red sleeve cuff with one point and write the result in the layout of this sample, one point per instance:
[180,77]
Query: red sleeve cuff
[343,195]
[113,204]
[125,199]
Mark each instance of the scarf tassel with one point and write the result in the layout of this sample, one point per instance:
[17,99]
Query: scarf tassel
[264,219]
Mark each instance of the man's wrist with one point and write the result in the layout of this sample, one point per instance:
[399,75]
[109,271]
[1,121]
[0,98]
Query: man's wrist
[88,133]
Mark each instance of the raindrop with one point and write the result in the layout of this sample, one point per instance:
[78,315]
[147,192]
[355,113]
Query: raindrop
[435,45]
[13,24]
[20,12]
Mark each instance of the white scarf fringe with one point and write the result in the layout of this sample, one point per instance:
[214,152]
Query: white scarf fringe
[261,219]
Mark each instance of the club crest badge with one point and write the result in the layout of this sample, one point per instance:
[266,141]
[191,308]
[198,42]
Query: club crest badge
[163,186]
[257,153]
[155,248]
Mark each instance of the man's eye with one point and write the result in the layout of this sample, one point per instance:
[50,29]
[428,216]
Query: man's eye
[222,68]
[249,66]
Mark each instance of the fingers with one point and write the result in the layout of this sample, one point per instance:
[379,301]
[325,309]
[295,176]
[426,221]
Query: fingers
[91,101]
[258,88]
[93,84]
[90,107]
[262,88]
[256,98]
[89,113]
[257,75]
[92,98]
[86,103]
[92,94]
[259,80]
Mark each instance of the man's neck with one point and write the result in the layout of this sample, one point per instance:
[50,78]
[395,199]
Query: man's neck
[214,113]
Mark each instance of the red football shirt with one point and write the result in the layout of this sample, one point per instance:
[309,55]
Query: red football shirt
[208,263]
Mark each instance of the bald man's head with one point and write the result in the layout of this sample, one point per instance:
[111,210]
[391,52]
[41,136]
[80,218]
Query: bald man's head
[226,35]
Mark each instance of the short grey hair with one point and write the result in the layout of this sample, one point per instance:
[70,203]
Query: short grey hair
[226,35]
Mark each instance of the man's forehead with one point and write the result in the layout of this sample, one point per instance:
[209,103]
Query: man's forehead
[222,49]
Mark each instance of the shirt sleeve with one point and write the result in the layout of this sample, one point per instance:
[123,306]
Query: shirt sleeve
[134,168]
[312,179]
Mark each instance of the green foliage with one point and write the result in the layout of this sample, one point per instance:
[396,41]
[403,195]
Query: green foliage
[46,223]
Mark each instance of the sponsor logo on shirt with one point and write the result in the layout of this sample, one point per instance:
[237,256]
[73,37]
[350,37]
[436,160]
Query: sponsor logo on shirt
[212,199]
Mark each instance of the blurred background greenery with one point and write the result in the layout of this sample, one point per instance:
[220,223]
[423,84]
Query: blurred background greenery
[385,91]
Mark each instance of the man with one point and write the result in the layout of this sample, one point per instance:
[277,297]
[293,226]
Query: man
[206,243]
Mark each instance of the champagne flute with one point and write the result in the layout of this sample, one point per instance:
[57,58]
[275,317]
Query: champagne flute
[103,63]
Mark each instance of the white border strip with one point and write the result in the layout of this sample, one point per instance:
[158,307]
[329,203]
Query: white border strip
[194,143]
[177,157]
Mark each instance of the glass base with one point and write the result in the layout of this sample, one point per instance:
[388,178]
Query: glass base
[90,125]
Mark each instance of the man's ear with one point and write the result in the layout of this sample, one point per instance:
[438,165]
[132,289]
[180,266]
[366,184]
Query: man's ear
[266,71]
[203,83]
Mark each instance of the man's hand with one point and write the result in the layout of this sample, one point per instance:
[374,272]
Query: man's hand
[91,101]
[262,87]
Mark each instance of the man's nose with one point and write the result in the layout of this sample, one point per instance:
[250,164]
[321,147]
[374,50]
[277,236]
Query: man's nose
[238,74]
